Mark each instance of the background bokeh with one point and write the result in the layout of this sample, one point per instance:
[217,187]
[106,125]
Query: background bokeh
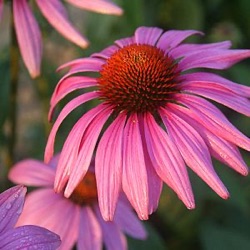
[215,223]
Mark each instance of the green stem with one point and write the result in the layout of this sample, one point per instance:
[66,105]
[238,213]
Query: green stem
[14,73]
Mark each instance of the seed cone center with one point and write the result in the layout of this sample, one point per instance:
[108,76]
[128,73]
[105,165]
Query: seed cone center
[138,78]
[86,192]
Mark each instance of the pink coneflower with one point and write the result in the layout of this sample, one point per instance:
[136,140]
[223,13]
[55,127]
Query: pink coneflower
[77,219]
[157,119]
[23,237]
[28,32]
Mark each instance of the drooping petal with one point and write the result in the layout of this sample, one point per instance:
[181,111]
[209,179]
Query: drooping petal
[113,238]
[90,234]
[29,237]
[46,209]
[213,59]
[108,167]
[28,36]
[145,35]
[101,6]
[170,39]
[68,85]
[11,205]
[167,161]
[188,49]
[71,148]
[74,103]
[221,149]
[56,14]
[126,219]
[219,94]
[205,78]
[88,144]
[32,173]
[134,176]
[193,150]
[214,120]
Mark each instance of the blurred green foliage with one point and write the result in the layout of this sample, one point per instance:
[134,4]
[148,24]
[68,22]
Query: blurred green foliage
[215,224]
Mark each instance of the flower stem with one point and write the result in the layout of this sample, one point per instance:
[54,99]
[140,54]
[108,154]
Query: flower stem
[14,73]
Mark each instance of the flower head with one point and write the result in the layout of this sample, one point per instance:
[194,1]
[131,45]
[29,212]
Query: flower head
[157,117]
[78,218]
[28,32]
[23,237]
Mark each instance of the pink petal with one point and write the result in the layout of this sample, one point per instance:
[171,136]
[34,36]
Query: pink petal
[106,53]
[167,161]
[46,209]
[145,35]
[154,181]
[213,59]
[214,120]
[49,150]
[171,39]
[188,49]
[28,36]
[101,6]
[88,144]
[108,167]
[219,94]
[216,80]
[71,148]
[193,150]
[68,85]
[1,9]
[134,176]
[222,150]
[56,15]
[11,205]
[32,173]
[112,236]
[126,219]
[90,234]
[125,41]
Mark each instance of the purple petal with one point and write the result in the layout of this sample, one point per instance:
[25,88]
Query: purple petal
[167,161]
[219,94]
[108,167]
[145,35]
[90,234]
[100,6]
[188,49]
[74,103]
[171,39]
[134,176]
[28,36]
[46,209]
[213,59]
[212,79]
[106,53]
[68,85]
[32,173]
[11,205]
[125,41]
[126,219]
[193,150]
[1,9]
[112,236]
[71,148]
[88,144]
[29,237]
[214,120]
[56,15]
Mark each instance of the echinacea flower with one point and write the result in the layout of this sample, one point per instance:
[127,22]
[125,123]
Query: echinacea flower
[153,119]
[23,237]
[78,218]
[28,32]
